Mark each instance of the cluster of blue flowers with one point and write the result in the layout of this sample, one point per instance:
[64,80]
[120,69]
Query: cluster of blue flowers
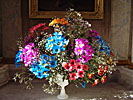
[40,68]
[56,43]
[103,46]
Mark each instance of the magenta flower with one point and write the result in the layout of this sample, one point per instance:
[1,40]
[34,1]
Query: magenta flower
[27,61]
[85,58]
[29,54]
[78,60]
[78,51]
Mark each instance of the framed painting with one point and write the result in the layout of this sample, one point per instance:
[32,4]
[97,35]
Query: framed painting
[90,9]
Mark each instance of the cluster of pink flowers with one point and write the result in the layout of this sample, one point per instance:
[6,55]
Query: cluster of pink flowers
[83,49]
[77,70]
[29,54]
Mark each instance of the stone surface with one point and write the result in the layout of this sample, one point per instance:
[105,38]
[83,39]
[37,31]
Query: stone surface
[108,91]
[4,75]
[120,27]
[125,76]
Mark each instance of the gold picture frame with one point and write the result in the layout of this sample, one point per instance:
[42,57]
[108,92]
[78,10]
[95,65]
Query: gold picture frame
[35,13]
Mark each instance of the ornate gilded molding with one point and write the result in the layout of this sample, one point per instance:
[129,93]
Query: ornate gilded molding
[34,13]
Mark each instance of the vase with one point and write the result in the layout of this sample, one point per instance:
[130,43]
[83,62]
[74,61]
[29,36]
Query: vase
[63,84]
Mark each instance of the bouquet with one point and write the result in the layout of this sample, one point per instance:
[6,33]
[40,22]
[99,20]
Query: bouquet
[73,50]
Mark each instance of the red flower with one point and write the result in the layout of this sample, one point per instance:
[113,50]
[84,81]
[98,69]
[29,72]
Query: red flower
[81,73]
[106,68]
[72,62]
[90,76]
[85,67]
[68,67]
[103,79]
[72,76]
[100,71]
[93,84]
[78,66]
[96,81]
[111,53]
[38,26]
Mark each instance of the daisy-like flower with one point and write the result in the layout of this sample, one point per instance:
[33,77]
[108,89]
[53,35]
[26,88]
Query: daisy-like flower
[44,57]
[53,64]
[79,45]
[68,67]
[72,62]
[72,76]
[27,60]
[78,67]
[85,67]
[49,46]
[81,73]
[85,58]
[63,64]
[78,51]
[56,50]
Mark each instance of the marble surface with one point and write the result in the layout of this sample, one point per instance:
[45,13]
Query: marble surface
[120,27]
[108,91]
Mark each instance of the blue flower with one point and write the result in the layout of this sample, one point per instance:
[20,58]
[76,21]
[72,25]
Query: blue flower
[62,49]
[34,68]
[50,39]
[40,74]
[53,64]
[45,57]
[83,84]
[52,57]
[49,46]
[56,49]
[17,59]
[45,74]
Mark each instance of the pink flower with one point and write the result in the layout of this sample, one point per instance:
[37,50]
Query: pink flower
[72,76]
[68,67]
[81,73]
[72,62]
[63,64]
[85,67]
[78,67]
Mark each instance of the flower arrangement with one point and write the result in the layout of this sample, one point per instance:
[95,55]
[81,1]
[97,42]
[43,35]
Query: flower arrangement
[73,50]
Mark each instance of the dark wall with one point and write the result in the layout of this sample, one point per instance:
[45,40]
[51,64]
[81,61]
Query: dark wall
[102,26]
[0,30]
